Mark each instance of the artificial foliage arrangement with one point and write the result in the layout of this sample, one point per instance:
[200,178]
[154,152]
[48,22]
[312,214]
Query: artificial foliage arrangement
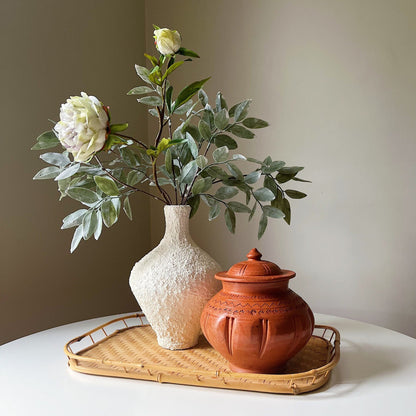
[191,158]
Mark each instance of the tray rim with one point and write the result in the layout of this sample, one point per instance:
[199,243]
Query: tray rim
[319,375]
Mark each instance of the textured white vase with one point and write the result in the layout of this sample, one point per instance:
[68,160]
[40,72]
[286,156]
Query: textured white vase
[174,281]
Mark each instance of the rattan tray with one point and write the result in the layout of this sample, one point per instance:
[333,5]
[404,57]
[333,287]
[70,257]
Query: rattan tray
[127,347]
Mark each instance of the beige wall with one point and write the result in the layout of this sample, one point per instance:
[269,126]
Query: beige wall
[336,81]
[50,50]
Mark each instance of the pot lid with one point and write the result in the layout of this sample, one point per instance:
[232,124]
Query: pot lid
[254,270]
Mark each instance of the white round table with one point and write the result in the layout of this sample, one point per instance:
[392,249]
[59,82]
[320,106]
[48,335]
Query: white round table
[376,376]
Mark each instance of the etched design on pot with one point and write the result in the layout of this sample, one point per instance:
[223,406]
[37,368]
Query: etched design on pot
[256,322]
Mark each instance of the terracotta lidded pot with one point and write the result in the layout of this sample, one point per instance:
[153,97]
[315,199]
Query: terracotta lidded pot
[256,322]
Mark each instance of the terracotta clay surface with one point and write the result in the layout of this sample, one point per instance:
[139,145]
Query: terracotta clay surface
[256,322]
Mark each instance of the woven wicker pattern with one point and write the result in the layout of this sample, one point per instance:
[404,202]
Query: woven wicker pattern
[133,352]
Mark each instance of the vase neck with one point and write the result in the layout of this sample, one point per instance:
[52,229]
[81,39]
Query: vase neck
[177,223]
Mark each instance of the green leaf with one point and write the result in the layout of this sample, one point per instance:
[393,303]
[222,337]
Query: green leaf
[84,195]
[220,103]
[270,184]
[216,172]
[187,52]
[46,140]
[74,219]
[224,140]
[252,177]
[109,213]
[235,171]
[107,185]
[155,76]
[168,98]
[244,188]
[226,192]
[140,90]
[242,132]
[127,208]
[253,210]
[188,172]
[201,161]
[286,210]
[239,207]
[301,180]
[89,224]
[57,159]
[117,205]
[273,212]
[204,129]
[152,59]
[134,177]
[128,157]
[168,161]
[221,119]
[68,172]
[171,69]
[184,108]
[255,123]
[194,202]
[193,131]
[63,185]
[214,211]
[263,194]
[273,166]
[220,154]
[188,92]
[240,111]
[251,159]
[153,100]
[291,193]
[290,170]
[153,112]
[208,116]
[203,97]
[114,128]
[284,178]
[49,172]
[99,226]
[76,238]
[201,186]
[143,73]
[230,219]
[237,156]
[193,148]
[112,140]
[262,226]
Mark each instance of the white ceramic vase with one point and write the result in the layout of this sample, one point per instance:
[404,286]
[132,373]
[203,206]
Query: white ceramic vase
[174,281]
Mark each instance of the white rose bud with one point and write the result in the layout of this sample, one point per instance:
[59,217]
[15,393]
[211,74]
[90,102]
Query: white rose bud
[167,41]
[82,128]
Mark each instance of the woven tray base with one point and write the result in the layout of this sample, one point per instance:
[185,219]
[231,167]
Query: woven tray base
[133,352]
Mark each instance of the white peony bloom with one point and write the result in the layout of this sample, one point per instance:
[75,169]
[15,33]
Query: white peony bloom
[167,41]
[82,128]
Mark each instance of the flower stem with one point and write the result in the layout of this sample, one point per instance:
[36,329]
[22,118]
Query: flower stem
[126,184]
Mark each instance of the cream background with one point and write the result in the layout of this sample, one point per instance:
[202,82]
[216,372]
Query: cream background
[336,81]
[49,51]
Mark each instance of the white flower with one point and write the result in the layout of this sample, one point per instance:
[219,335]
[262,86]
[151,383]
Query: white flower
[82,128]
[167,41]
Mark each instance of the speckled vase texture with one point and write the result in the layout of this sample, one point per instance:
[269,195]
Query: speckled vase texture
[174,281]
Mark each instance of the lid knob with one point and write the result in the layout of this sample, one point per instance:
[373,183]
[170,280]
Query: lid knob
[254,254]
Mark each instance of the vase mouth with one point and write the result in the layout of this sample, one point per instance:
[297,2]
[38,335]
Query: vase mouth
[178,207]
